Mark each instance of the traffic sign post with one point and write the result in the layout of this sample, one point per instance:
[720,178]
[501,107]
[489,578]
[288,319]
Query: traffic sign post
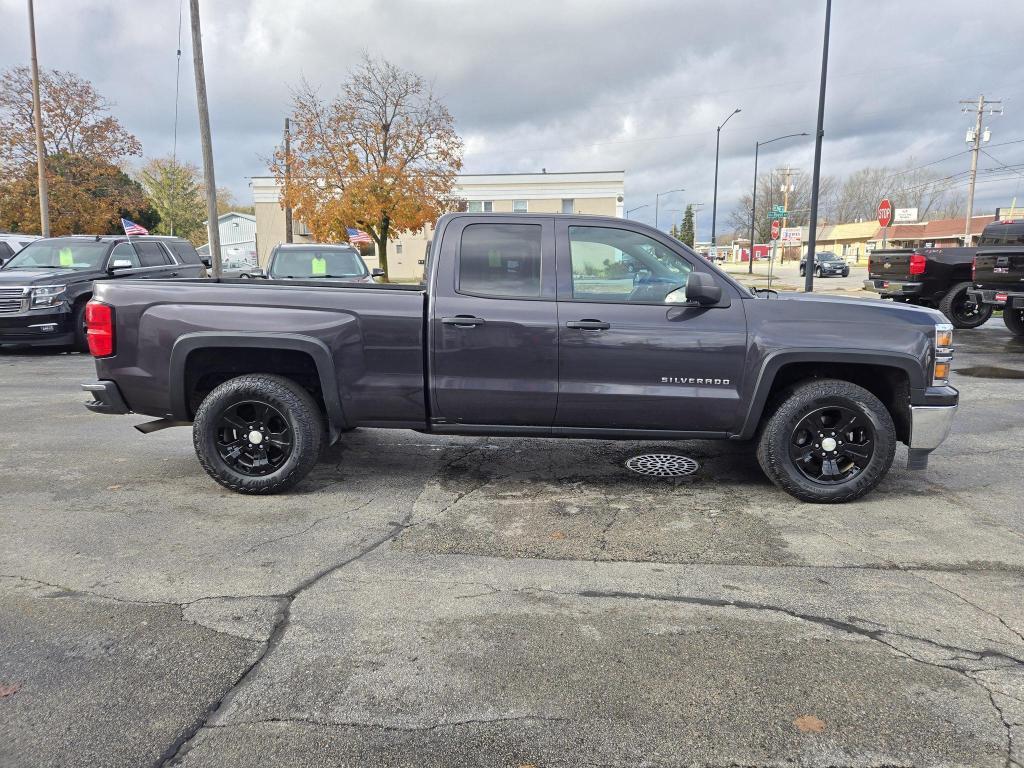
[885,219]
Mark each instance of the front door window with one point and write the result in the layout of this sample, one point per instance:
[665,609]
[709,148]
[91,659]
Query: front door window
[617,265]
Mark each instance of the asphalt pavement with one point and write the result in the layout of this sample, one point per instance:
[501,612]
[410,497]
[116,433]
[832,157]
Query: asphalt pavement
[435,601]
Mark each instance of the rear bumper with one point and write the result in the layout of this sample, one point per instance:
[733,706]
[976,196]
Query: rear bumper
[106,398]
[1013,299]
[892,288]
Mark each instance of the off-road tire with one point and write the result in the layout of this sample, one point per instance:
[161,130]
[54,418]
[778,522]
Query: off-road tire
[948,307]
[1014,319]
[790,408]
[294,403]
[81,338]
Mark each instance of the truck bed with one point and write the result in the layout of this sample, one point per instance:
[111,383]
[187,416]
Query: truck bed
[373,334]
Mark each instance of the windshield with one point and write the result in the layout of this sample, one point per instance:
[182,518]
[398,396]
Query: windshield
[61,253]
[317,262]
[827,256]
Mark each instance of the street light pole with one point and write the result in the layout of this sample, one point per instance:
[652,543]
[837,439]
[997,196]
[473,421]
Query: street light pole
[812,233]
[753,195]
[37,117]
[714,201]
[657,198]
[645,205]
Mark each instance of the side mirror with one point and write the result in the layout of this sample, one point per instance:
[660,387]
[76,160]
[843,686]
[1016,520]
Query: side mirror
[377,272]
[702,290]
[121,264]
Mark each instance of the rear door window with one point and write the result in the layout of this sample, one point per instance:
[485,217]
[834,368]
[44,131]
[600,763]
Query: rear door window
[501,260]
[186,252]
[152,254]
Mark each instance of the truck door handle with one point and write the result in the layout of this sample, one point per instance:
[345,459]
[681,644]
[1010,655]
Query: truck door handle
[463,321]
[589,325]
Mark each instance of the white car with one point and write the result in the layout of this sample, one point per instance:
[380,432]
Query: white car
[11,243]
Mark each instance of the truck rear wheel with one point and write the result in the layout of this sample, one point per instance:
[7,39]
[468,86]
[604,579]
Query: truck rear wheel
[258,433]
[829,441]
[961,311]
[1014,319]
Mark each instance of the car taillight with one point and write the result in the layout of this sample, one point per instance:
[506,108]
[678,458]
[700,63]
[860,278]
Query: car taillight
[99,328]
[917,262]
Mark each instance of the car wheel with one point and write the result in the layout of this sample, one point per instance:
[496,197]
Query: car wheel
[258,434]
[1014,319]
[829,441]
[817,272]
[802,271]
[958,308]
[81,338]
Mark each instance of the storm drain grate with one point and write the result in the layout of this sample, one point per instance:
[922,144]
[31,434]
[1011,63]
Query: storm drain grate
[662,465]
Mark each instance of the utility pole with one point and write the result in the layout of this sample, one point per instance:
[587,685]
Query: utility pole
[819,135]
[37,113]
[287,180]
[975,138]
[212,227]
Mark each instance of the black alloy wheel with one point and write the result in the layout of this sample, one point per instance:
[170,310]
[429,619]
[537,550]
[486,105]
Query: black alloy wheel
[253,438]
[1014,320]
[258,433]
[827,441]
[832,445]
[961,310]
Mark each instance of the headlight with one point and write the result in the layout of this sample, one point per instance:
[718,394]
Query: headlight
[47,295]
[943,354]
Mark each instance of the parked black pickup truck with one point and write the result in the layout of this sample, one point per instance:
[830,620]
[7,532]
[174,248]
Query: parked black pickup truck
[45,287]
[998,279]
[929,277]
[550,326]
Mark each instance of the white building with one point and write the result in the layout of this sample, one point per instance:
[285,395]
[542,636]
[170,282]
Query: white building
[593,192]
[237,237]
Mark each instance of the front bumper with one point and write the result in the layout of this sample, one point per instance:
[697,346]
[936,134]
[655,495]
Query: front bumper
[892,288]
[1013,300]
[38,327]
[929,427]
[106,398]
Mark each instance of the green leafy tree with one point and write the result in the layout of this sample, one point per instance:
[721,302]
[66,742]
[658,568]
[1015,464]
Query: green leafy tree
[175,192]
[686,233]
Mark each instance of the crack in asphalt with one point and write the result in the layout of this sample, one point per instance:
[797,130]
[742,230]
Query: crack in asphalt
[876,635]
[383,727]
[180,746]
[307,529]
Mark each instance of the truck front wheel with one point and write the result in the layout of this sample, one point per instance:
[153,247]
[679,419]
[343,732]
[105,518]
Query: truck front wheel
[961,310]
[1014,319]
[829,441]
[258,433]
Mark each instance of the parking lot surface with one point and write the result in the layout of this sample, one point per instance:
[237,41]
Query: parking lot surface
[425,601]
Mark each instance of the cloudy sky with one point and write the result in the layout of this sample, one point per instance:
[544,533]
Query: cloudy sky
[570,85]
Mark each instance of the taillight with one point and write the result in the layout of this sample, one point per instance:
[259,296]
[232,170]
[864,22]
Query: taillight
[974,269]
[917,262]
[99,328]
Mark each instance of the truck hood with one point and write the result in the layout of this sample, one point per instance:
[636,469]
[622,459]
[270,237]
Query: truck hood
[823,302]
[37,276]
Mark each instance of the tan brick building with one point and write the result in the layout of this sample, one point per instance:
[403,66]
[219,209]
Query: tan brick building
[593,192]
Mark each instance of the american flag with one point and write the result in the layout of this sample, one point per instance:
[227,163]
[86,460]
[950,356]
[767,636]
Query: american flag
[357,236]
[131,228]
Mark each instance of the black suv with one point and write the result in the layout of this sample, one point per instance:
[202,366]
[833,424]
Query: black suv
[826,264]
[44,288]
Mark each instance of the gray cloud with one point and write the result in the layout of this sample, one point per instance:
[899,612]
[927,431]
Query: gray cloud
[570,85]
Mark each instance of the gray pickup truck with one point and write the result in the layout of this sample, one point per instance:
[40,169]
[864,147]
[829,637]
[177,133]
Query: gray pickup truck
[548,326]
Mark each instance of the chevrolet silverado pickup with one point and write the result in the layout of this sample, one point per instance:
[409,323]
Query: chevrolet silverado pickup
[929,277]
[998,273]
[549,326]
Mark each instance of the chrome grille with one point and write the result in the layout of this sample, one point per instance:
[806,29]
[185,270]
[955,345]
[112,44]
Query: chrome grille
[13,300]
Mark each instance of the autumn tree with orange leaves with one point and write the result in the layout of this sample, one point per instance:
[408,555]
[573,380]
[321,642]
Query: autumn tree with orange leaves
[85,146]
[381,156]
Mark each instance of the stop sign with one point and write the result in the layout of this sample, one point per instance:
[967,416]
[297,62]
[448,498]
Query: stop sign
[884,213]
[776,229]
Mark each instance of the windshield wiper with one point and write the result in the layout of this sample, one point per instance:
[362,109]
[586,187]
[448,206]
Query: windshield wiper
[41,266]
